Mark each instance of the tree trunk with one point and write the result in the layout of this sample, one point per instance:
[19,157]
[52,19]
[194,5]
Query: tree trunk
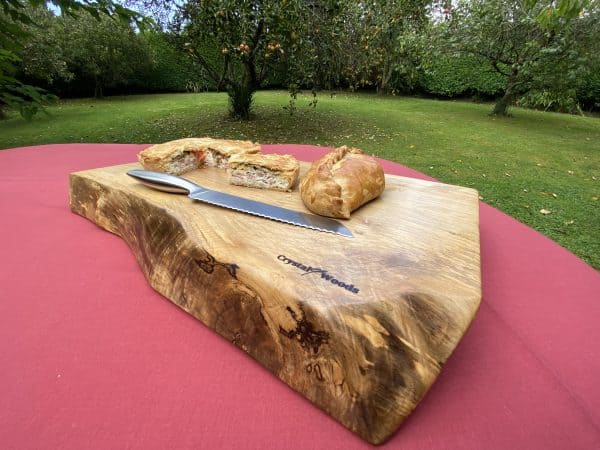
[241,94]
[386,75]
[98,90]
[502,105]
[240,100]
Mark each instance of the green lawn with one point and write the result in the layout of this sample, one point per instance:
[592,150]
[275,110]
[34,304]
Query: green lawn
[521,165]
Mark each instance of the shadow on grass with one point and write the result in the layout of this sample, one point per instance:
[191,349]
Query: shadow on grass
[268,124]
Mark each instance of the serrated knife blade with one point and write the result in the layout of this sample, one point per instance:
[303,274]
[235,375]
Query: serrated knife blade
[175,184]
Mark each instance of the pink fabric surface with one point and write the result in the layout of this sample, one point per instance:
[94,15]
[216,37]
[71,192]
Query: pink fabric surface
[92,357]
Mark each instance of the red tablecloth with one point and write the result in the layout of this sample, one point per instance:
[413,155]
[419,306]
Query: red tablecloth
[92,357]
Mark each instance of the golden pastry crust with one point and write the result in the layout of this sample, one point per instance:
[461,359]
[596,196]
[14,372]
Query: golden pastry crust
[278,172]
[341,181]
[182,155]
[279,163]
[231,147]
[218,151]
[174,157]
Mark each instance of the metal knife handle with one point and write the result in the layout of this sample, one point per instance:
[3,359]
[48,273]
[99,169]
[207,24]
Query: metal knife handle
[164,181]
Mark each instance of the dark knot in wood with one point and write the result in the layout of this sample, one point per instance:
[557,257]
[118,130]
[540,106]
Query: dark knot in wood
[208,264]
[305,332]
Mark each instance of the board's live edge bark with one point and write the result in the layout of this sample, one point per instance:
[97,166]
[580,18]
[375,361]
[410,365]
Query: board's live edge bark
[367,354]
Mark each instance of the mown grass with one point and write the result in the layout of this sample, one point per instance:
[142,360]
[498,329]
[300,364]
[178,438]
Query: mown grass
[529,162]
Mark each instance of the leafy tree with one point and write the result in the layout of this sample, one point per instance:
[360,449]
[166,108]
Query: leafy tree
[252,38]
[328,41]
[13,93]
[42,56]
[102,51]
[172,69]
[162,12]
[450,76]
[516,37]
[15,16]
[390,40]
[565,72]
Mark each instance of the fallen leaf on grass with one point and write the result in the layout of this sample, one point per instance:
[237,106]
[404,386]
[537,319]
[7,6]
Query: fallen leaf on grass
[545,211]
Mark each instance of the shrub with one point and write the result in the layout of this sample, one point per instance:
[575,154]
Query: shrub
[459,76]
[588,93]
[172,70]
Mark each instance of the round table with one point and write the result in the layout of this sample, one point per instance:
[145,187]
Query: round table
[92,357]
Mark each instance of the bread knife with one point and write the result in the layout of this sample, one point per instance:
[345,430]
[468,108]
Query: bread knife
[174,184]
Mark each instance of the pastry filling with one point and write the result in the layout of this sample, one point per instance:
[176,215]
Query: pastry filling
[184,163]
[258,177]
[215,159]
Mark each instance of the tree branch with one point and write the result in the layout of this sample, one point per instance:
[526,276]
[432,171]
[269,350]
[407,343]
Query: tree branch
[224,80]
[250,62]
[257,35]
[211,72]
[500,71]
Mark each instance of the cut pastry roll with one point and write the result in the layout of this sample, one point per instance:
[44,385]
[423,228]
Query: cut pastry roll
[219,151]
[183,155]
[175,157]
[278,172]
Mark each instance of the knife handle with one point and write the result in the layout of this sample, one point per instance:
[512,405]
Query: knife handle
[164,181]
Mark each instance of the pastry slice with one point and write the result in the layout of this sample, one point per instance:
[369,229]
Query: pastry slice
[183,155]
[278,172]
[175,157]
[218,151]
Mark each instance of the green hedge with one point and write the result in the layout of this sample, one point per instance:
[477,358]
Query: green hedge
[461,76]
[588,93]
[172,70]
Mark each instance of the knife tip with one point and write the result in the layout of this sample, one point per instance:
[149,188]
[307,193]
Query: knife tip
[346,232]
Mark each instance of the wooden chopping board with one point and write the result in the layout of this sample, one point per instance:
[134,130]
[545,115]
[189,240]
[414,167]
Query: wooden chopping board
[360,326]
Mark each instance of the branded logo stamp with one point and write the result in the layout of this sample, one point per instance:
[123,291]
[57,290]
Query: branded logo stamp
[325,275]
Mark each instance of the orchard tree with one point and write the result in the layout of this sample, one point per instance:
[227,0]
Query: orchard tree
[390,33]
[564,73]
[335,55]
[239,42]
[516,37]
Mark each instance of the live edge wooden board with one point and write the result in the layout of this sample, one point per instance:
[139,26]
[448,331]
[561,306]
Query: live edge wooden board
[360,326]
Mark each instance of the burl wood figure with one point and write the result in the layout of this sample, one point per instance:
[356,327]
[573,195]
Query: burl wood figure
[360,326]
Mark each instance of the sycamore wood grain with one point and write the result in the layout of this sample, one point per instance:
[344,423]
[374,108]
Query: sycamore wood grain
[360,326]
